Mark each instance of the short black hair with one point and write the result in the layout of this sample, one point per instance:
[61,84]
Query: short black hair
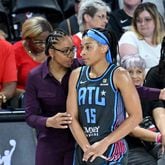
[77,1]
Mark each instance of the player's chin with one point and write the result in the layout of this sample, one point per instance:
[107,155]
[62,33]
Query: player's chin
[86,61]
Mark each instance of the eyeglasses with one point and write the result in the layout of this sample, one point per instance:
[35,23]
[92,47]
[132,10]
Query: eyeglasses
[145,20]
[102,17]
[66,51]
[38,42]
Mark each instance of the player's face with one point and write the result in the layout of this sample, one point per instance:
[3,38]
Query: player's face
[91,51]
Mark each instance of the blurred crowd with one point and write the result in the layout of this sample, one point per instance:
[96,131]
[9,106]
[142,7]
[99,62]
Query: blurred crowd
[42,41]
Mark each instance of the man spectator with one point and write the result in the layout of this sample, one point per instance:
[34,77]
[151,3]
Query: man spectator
[120,20]
[70,25]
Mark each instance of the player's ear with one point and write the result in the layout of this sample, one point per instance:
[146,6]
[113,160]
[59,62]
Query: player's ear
[104,48]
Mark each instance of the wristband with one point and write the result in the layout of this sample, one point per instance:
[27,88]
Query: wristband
[158,138]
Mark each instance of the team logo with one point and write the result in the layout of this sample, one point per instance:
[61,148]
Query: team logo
[83,82]
[6,158]
[123,21]
[104,82]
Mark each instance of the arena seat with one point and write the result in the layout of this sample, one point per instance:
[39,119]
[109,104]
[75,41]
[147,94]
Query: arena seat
[24,9]
[49,5]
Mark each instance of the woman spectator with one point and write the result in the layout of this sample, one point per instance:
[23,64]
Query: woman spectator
[146,36]
[144,147]
[30,51]
[92,13]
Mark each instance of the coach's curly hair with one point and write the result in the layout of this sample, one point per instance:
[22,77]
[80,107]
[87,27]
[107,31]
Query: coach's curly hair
[53,38]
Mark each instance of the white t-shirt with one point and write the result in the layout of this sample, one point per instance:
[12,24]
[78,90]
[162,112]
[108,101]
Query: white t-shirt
[151,54]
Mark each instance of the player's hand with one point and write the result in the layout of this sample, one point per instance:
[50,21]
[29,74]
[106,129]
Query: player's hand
[95,150]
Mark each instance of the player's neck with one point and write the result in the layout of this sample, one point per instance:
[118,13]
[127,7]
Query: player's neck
[98,71]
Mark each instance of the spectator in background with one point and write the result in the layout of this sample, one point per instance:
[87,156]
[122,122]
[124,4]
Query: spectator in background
[156,79]
[70,25]
[45,101]
[95,101]
[30,51]
[120,20]
[92,13]
[136,67]
[114,5]
[146,36]
[158,3]
[8,73]
[144,147]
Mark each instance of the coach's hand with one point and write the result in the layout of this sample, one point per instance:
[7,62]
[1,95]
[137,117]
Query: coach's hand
[60,120]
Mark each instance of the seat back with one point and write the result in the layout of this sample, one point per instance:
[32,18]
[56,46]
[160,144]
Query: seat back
[24,9]
[33,5]
[16,103]
[67,7]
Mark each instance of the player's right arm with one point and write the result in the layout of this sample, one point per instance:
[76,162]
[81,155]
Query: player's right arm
[72,109]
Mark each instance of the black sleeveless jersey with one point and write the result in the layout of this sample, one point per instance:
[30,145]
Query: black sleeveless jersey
[100,108]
